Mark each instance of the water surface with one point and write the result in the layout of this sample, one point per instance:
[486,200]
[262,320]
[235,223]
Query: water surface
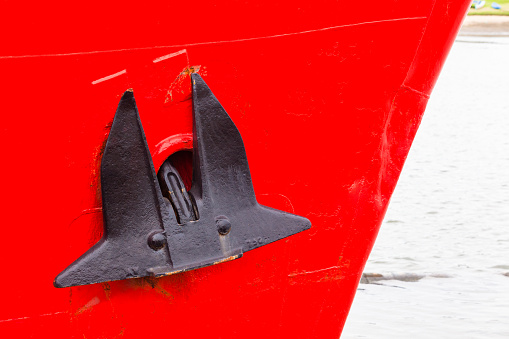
[449,213]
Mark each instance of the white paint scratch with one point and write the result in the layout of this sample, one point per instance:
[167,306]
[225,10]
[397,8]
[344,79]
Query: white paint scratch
[311,272]
[109,77]
[289,201]
[217,42]
[23,318]
[168,56]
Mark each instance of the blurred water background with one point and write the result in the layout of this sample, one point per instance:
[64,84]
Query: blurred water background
[449,215]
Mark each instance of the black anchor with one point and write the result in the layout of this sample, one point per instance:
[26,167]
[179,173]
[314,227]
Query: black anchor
[147,234]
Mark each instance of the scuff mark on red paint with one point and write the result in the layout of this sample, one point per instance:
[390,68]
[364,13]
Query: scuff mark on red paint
[180,88]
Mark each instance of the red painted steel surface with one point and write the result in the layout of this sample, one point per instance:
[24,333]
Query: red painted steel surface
[327,96]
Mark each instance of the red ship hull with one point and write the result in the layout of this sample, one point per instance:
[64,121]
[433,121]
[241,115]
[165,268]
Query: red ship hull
[327,96]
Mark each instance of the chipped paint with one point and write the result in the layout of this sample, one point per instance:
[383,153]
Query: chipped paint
[233,257]
[94,301]
[180,86]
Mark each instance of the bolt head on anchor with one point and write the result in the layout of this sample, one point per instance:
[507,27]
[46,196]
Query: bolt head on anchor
[156,240]
[223,225]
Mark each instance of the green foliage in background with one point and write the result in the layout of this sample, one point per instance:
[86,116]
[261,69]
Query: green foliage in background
[487,10]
